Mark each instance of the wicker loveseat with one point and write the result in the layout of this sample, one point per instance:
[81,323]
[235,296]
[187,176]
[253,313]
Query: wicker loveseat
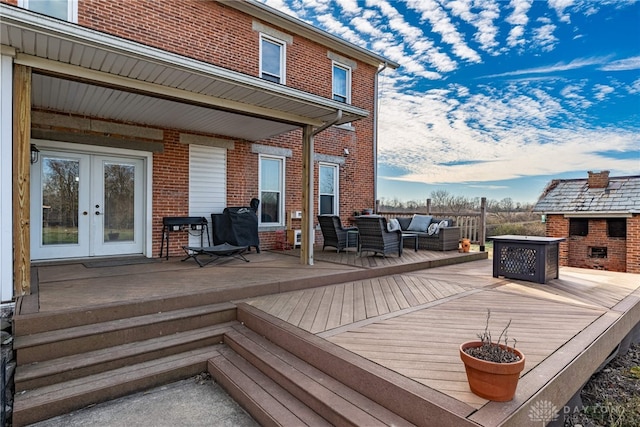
[436,238]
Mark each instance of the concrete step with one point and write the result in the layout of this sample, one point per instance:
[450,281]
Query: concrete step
[59,343]
[41,374]
[332,400]
[57,399]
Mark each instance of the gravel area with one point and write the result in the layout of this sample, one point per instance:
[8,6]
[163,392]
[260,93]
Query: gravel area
[611,398]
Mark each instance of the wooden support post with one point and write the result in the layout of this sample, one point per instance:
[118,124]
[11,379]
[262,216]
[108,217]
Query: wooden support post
[21,179]
[306,248]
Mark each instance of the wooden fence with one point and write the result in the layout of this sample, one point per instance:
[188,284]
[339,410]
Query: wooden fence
[473,225]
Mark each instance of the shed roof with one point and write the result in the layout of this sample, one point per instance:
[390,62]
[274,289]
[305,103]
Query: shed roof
[621,196]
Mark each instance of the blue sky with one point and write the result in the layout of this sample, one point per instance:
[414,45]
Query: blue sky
[495,98]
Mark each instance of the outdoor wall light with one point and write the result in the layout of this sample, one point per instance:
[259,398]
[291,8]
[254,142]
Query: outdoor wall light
[35,153]
[346,151]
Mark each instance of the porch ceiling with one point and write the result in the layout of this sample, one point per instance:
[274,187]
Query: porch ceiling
[82,71]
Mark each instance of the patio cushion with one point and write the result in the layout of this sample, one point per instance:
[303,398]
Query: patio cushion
[404,223]
[393,225]
[420,223]
[433,228]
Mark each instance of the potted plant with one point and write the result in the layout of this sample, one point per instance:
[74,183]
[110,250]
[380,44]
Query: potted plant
[493,368]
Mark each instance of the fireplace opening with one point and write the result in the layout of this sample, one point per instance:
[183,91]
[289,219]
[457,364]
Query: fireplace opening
[597,252]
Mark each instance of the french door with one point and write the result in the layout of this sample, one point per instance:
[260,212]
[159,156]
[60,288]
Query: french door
[86,205]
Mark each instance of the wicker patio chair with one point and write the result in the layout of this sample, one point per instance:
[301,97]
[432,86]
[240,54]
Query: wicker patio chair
[333,233]
[375,237]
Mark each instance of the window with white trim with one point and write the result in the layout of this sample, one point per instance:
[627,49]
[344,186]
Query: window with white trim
[271,190]
[61,9]
[272,59]
[328,189]
[341,83]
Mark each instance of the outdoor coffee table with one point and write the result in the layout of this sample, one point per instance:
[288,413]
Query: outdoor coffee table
[413,236]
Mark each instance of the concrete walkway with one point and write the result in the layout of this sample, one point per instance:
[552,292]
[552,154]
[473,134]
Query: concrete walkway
[193,402]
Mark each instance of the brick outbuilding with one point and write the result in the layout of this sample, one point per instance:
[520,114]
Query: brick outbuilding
[600,218]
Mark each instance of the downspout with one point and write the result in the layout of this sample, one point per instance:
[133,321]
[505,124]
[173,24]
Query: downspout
[375,137]
[306,252]
[328,124]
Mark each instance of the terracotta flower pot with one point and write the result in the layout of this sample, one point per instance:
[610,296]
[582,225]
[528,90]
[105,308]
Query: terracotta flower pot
[491,380]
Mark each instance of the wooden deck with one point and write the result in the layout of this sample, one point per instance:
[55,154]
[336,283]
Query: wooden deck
[413,324]
[73,284]
[407,315]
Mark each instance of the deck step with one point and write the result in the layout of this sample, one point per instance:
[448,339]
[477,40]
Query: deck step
[41,374]
[65,342]
[266,401]
[334,401]
[47,402]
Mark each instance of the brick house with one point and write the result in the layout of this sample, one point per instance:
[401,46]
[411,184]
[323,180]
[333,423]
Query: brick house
[116,114]
[600,218]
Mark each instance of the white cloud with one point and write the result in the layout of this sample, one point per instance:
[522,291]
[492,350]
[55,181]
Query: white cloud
[349,6]
[632,63]
[601,91]
[431,12]
[483,20]
[519,19]
[560,6]
[544,38]
[548,69]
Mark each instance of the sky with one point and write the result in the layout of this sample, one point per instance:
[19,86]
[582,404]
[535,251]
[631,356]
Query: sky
[495,98]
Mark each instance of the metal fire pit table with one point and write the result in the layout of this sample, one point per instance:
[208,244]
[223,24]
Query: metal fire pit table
[531,258]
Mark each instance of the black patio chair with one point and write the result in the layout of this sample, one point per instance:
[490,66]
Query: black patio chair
[375,237]
[334,234]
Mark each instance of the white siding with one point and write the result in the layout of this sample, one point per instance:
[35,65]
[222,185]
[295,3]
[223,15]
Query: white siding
[207,183]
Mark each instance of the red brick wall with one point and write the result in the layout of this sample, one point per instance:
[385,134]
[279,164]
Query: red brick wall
[215,33]
[558,226]
[622,254]
[170,190]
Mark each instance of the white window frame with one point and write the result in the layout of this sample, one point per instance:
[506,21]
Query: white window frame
[72,8]
[336,187]
[281,207]
[334,93]
[283,56]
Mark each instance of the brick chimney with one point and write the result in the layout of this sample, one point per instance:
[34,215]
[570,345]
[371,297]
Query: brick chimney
[598,179]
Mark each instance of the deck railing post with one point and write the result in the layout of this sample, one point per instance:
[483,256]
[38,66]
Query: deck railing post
[483,223]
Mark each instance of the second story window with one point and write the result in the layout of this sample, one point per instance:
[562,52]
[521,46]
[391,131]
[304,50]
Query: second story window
[61,9]
[341,83]
[272,59]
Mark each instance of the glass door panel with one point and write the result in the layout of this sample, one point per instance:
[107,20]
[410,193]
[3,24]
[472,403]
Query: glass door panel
[118,205]
[59,187]
[119,202]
